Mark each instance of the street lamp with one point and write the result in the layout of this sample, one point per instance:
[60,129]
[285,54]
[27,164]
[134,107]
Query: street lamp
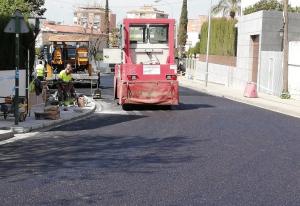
[281,33]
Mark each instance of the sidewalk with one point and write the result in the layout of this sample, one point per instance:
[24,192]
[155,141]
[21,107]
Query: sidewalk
[289,107]
[8,128]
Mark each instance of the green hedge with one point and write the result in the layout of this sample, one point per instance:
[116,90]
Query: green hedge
[223,39]
[7,47]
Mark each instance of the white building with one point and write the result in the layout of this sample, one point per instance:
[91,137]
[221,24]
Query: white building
[193,31]
[147,11]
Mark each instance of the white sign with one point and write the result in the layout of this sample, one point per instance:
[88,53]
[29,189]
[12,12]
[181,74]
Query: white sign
[151,69]
[112,56]
[11,26]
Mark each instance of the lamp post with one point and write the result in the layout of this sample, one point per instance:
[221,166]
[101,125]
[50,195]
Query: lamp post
[208,43]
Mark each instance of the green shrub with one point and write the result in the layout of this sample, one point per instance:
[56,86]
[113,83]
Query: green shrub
[223,37]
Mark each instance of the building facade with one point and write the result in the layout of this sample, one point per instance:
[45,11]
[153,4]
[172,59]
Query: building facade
[259,55]
[93,17]
[193,31]
[147,11]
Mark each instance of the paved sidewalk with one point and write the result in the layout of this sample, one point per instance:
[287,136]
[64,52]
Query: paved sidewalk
[289,107]
[7,127]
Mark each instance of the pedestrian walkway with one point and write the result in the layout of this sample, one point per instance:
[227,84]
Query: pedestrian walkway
[289,107]
[7,127]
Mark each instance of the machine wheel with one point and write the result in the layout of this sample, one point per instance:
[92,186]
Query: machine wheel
[115,88]
[126,107]
[167,107]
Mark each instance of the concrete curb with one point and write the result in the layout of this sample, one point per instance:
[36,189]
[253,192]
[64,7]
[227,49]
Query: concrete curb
[54,123]
[293,113]
[4,135]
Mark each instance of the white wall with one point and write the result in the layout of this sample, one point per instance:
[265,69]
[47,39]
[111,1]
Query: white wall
[270,73]
[294,70]
[219,74]
[7,82]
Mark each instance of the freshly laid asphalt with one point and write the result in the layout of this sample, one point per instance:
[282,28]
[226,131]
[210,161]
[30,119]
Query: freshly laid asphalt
[206,151]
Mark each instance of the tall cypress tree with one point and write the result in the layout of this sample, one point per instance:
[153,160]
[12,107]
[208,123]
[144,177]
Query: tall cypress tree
[107,23]
[182,31]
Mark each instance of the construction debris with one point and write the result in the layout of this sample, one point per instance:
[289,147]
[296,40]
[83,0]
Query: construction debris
[50,112]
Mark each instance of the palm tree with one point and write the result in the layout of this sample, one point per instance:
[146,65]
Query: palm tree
[228,7]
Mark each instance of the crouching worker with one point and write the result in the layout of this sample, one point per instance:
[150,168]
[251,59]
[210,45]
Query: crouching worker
[66,91]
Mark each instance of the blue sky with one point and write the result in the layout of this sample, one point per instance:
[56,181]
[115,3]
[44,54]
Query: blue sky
[62,10]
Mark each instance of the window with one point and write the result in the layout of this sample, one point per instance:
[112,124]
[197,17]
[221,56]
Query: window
[154,34]
[158,34]
[138,34]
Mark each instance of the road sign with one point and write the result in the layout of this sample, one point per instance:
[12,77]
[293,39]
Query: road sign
[11,26]
[17,25]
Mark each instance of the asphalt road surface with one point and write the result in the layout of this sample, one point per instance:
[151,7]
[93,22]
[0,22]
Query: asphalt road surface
[206,151]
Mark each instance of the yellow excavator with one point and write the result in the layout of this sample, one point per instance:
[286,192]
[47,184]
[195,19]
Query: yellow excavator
[70,49]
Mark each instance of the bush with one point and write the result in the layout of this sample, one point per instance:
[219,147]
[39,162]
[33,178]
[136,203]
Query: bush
[223,37]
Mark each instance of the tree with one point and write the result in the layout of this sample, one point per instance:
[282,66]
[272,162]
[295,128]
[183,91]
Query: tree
[8,7]
[264,5]
[228,8]
[36,7]
[27,7]
[96,45]
[106,20]
[269,5]
[114,38]
[182,32]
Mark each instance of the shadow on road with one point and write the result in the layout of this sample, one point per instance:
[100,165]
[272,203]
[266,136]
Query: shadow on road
[98,121]
[181,106]
[192,106]
[133,154]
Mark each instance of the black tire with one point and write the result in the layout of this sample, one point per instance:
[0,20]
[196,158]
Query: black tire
[126,107]
[167,107]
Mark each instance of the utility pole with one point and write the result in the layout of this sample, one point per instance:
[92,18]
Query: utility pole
[208,43]
[285,91]
[107,22]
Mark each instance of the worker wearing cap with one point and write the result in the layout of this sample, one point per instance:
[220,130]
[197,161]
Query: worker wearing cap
[40,71]
[66,89]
